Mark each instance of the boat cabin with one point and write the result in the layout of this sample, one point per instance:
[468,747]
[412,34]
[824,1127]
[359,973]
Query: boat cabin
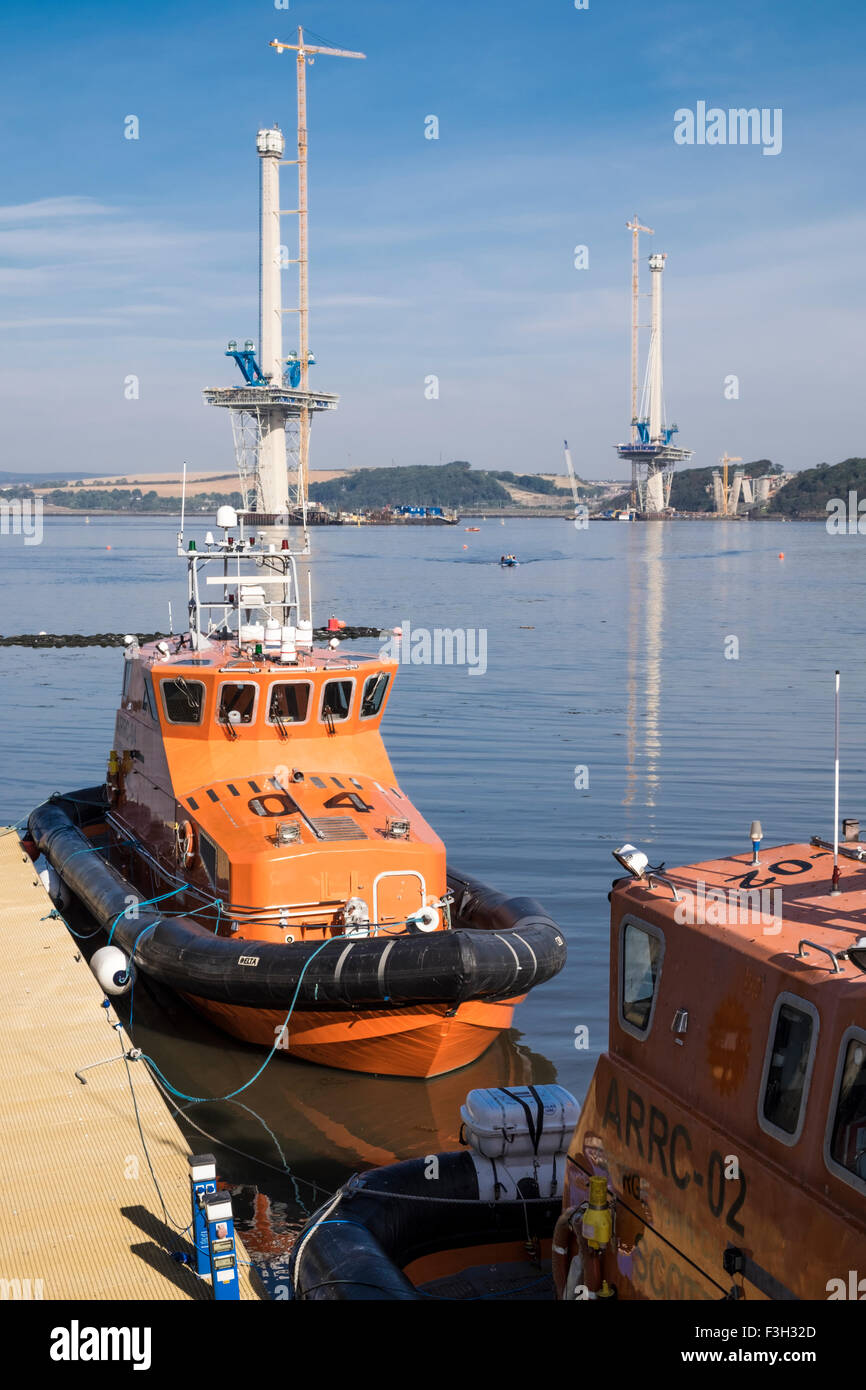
[249,763]
[729,1112]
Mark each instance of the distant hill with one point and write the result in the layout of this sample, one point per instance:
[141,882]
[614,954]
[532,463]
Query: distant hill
[530,482]
[134,500]
[36,479]
[808,493]
[454,484]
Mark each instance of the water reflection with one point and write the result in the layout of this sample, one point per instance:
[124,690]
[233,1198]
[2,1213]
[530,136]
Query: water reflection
[301,1129]
[644,668]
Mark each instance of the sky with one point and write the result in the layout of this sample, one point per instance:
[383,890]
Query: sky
[452,257]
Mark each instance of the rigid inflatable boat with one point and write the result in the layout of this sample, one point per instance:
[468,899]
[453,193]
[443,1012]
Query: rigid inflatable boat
[495,949]
[465,1225]
[260,857]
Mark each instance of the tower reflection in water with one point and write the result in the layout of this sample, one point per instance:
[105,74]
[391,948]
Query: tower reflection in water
[645,569]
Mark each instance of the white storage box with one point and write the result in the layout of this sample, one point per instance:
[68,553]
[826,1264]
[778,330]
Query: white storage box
[516,1122]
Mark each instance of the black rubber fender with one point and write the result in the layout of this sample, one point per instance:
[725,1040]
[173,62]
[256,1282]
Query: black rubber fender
[498,948]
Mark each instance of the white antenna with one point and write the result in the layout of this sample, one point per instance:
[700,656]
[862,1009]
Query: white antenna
[183,499]
[310,596]
[170,621]
[835,889]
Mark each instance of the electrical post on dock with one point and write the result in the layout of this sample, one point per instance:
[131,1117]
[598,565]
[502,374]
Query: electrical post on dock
[221,1246]
[202,1181]
[213,1229]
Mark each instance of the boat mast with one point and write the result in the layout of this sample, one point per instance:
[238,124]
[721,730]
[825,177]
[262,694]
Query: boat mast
[305,54]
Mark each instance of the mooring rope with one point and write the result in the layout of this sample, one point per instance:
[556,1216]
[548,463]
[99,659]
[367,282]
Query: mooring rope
[208,1100]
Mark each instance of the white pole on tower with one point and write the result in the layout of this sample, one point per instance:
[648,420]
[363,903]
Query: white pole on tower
[272,463]
[656,409]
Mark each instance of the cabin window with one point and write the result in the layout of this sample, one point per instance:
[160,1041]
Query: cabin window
[148,699]
[847,1139]
[207,850]
[374,693]
[640,967]
[127,674]
[289,703]
[183,700]
[214,861]
[337,699]
[788,1068]
[237,704]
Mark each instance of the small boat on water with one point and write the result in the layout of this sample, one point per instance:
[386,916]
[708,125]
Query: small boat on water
[720,1151]
[508,561]
[471,1224]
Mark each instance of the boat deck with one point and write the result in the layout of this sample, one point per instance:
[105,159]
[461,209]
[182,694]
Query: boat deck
[514,1282]
[82,1217]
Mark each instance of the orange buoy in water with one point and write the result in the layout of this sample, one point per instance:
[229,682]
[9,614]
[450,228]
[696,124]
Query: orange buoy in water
[781,554]
[108,547]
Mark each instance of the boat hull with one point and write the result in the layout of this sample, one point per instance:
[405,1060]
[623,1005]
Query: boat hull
[414,1004]
[421,1041]
[439,1236]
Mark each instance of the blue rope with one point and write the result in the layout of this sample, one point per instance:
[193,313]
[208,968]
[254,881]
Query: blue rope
[150,902]
[208,1100]
[93,849]
[127,974]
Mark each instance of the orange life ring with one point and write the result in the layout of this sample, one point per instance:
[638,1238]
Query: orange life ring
[185,843]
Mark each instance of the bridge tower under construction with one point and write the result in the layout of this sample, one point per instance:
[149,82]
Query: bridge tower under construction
[650,450]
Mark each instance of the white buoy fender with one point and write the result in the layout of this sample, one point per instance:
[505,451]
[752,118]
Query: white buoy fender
[425,920]
[55,887]
[111,968]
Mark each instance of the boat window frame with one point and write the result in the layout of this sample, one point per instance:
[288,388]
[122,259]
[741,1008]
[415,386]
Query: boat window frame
[293,723]
[226,723]
[790,1139]
[342,680]
[183,723]
[852,1032]
[630,920]
[375,675]
[148,699]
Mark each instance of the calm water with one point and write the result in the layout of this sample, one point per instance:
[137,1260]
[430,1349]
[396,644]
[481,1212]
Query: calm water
[605,650]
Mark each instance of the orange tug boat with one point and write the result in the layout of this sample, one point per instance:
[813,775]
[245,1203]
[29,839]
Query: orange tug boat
[280,880]
[720,1151]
